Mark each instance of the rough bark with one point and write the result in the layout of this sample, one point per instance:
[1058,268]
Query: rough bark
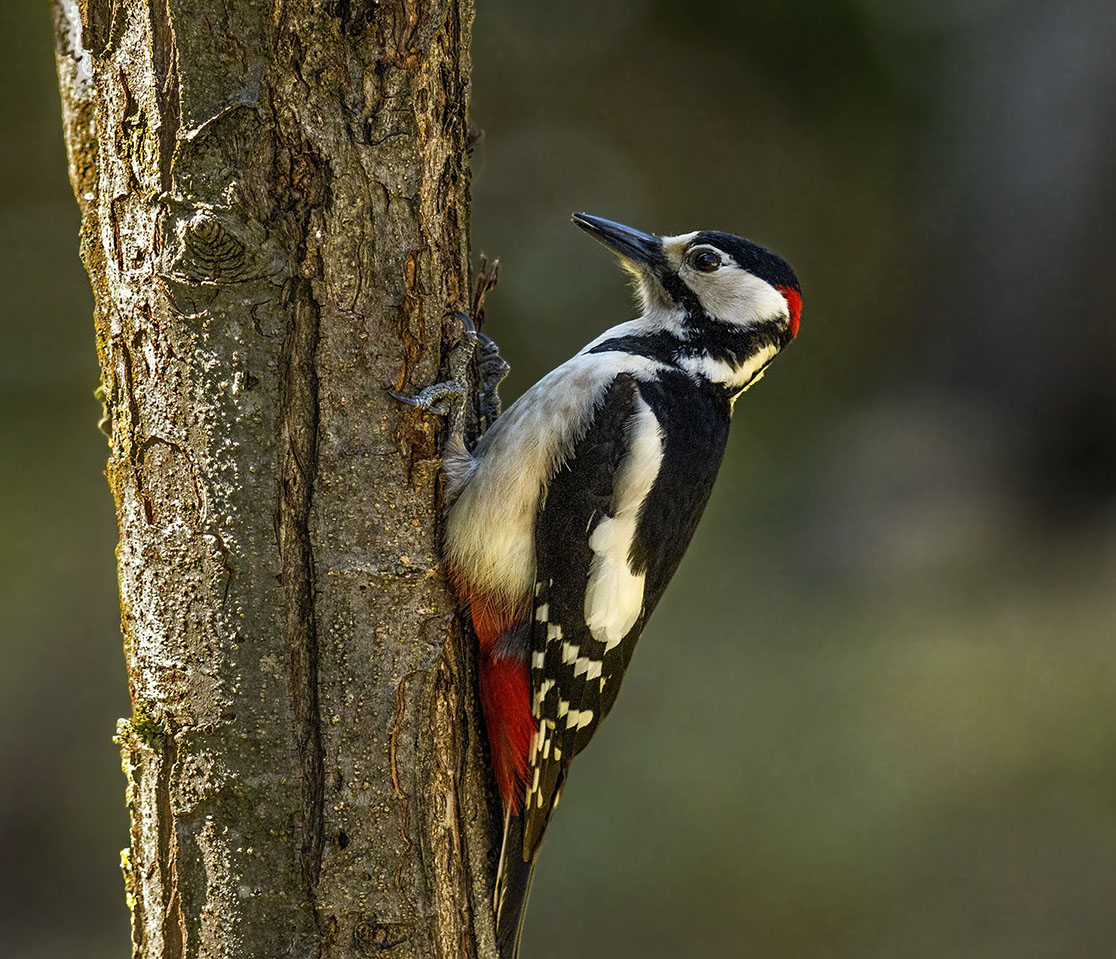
[274,206]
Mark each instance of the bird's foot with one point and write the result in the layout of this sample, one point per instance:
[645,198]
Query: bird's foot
[449,397]
[492,368]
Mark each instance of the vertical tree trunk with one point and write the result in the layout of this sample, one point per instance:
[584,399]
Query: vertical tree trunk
[274,208]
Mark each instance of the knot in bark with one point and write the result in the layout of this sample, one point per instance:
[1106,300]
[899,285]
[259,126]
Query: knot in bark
[210,250]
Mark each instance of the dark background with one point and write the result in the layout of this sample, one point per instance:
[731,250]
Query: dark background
[874,715]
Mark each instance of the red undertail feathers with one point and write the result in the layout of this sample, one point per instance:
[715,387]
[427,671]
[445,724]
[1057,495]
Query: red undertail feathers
[505,689]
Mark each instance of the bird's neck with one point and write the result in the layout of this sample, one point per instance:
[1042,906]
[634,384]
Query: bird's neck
[728,355]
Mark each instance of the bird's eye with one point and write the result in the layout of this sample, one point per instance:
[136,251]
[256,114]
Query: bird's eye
[706,261]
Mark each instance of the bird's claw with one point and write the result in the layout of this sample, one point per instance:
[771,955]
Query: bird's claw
[466,321]
[449,397]
[432,398]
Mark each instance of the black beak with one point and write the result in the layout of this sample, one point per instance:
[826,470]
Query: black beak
[645,249]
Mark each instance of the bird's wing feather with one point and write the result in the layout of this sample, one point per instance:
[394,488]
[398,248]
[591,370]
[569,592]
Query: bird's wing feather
[589,603]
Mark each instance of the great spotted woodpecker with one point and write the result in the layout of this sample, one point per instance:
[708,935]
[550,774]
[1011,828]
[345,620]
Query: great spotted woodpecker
[568,519]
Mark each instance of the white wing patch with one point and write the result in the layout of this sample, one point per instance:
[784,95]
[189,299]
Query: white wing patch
[614,595]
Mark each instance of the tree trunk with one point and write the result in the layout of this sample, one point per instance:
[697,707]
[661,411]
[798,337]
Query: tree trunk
[274,209]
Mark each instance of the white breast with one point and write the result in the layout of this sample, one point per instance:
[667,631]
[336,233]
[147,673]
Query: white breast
[490,528]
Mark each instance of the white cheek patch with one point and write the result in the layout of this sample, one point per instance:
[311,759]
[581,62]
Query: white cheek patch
[733,295]
[614,595]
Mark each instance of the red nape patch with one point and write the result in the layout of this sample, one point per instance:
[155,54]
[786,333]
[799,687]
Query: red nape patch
[505,688]
[794,304]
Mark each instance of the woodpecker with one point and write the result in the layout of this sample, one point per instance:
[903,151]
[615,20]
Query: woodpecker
[567,520]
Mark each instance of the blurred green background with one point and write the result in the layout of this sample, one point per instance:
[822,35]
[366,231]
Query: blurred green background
[875,715]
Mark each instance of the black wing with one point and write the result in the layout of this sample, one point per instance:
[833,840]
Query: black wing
[575,675]
[562,646]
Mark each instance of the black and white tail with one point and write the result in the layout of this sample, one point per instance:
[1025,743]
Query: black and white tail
[513,886]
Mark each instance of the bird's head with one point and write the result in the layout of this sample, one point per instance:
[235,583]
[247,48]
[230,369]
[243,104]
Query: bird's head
[706,273]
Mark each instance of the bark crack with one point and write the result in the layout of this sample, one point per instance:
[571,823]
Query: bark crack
[164,61]
[174,922]
[298,405]
[400,792]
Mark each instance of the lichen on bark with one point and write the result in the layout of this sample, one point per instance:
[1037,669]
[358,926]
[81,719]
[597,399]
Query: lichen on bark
[274,220]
